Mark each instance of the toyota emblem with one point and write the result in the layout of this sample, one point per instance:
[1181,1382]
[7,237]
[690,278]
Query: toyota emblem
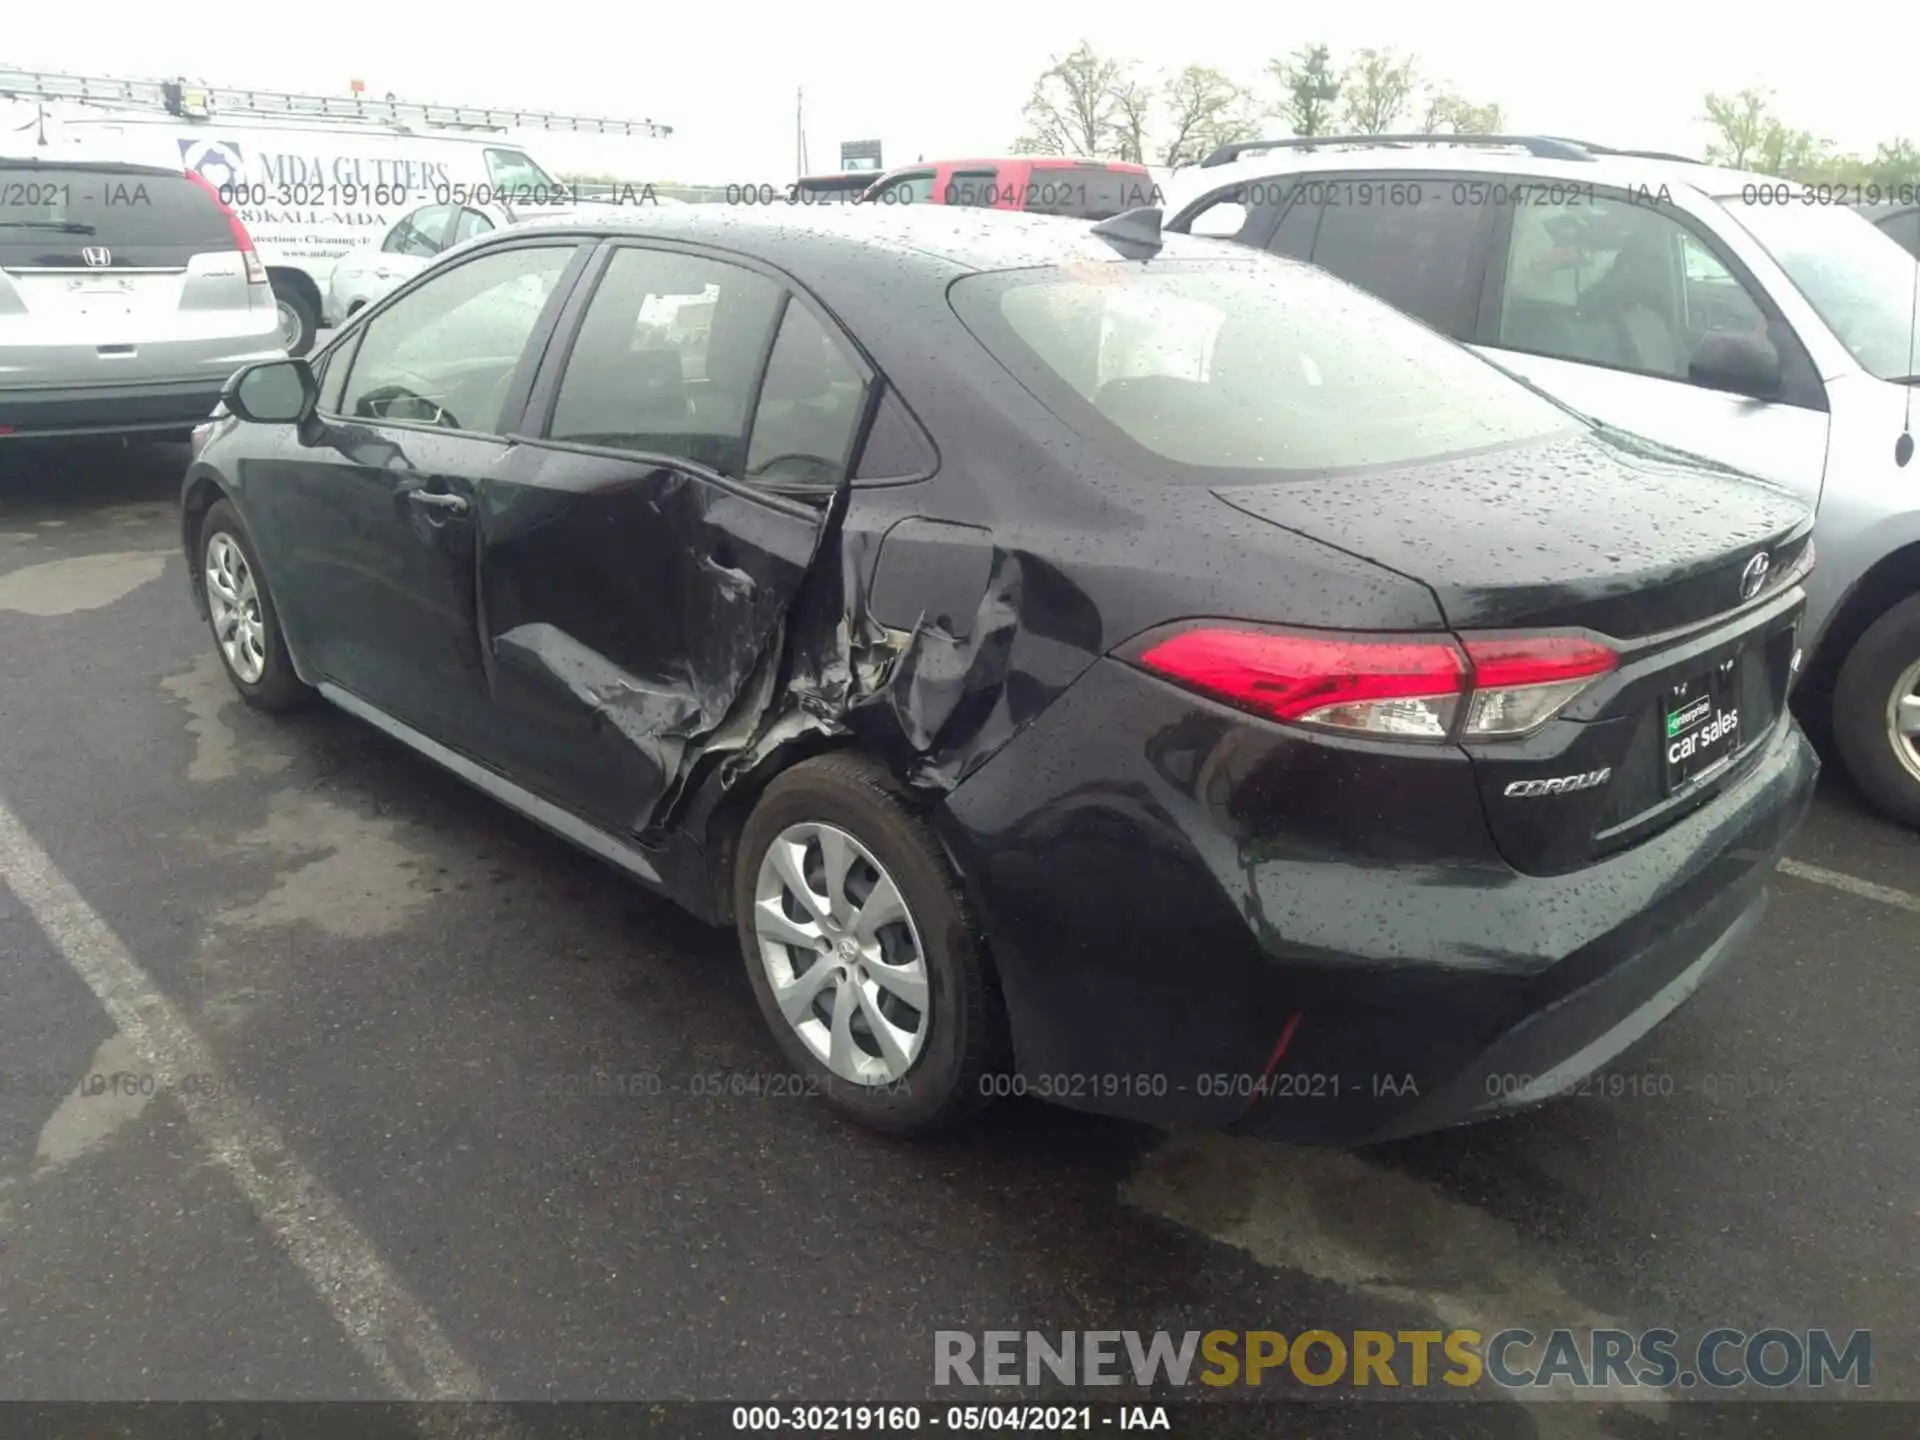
[1754,576]
[98,257]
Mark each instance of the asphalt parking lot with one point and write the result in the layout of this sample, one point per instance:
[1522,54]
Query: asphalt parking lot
[406,1178]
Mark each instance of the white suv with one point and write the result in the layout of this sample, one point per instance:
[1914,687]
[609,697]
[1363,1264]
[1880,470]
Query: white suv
[128,296]
[1740,318]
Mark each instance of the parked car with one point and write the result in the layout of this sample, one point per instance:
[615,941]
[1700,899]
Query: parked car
[1084,189]
[128,295]
[362,276]
[1186,689]
[1710,310]
[1900,221]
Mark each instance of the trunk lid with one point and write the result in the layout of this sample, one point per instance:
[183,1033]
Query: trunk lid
[1655,551]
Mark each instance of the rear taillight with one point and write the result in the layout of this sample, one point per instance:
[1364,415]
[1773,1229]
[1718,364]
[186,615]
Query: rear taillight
[1411,688]
[256,272]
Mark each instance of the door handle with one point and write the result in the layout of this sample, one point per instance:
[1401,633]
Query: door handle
[439,500]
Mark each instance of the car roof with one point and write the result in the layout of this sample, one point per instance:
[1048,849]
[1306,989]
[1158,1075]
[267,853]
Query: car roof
[813,241]
[1047,161]
[1610,169]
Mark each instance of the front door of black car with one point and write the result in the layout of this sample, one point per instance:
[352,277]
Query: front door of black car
[636,561]
[370,527]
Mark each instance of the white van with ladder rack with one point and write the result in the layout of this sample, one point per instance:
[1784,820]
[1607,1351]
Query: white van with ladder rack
[311,176]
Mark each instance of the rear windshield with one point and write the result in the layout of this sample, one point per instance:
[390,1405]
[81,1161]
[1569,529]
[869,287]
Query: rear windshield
[1244,365]
[114,206]
[1087,192]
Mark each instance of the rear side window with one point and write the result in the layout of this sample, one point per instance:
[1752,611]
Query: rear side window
[60,207]
[422,234]
[667,357]
[978,188]
[1087,192]
[1244,366]
[1409,243]
[810,405]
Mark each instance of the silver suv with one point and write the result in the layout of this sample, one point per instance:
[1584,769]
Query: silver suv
[1736,317]
[128,295]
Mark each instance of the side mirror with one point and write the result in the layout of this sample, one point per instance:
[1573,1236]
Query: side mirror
[272,392]
[1222,222]
[1739,361]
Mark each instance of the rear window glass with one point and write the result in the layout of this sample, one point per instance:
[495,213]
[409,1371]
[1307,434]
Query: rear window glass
[152,207]
[1087,192]
[1258,365]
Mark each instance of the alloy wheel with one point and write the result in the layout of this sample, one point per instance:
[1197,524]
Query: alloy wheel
[1903,718]
[233,600]
[290,326]
[842,953]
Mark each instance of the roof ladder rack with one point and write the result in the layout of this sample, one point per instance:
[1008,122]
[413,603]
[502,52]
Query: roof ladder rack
[1543,146]
[189,101]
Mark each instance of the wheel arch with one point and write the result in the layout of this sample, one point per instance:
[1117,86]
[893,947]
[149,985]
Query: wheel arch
[1888,581]
[203,491]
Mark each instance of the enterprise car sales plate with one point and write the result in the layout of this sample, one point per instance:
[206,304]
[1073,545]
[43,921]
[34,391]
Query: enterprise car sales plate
[1702,728]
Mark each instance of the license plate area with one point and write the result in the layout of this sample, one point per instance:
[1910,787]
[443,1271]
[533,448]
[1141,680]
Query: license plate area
[1700,724]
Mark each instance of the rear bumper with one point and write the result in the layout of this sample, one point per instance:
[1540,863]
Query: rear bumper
[134,408]
[1220,927]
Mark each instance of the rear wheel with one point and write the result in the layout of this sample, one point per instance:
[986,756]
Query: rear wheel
[246,629]
[1876,713]
[862,952]
[299,321]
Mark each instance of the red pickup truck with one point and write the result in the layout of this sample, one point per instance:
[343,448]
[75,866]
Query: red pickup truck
[1085,189]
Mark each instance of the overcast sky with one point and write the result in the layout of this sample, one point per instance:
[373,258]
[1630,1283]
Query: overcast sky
[928,80]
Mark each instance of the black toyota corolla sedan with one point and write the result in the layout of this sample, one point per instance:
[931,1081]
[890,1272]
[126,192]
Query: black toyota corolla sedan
[1142,674]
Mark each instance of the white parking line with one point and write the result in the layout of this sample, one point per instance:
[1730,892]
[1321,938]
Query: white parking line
[1851,884]
[391,1330]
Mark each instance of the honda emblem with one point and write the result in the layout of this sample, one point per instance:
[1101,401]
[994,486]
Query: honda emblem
[98,257]
[1754,576]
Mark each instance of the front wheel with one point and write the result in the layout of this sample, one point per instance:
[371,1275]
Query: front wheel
[1876,713]
[862,952]
[246,628]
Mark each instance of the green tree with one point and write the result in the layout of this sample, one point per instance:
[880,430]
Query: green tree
[1133,115]
[1376,90]
[1309,90]
[1741,124]
[1445,113]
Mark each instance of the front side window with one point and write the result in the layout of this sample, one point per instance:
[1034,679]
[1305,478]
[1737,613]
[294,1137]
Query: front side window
[1905,230]
[423,233]
[444,353]
[668,354]
[1413,243]
[1616,283]
[1213,366]
[978,188]
[472,223]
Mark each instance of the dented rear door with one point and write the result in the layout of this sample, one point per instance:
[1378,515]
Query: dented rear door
[637,557]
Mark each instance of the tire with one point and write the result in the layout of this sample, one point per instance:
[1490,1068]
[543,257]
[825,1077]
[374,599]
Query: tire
[296,310]
[958,1040]
[276,687]
[1886,658]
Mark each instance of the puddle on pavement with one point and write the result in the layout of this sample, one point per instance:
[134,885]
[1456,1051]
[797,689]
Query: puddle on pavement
[80,582]
[218,753]
[84,1118]
[1373,1231]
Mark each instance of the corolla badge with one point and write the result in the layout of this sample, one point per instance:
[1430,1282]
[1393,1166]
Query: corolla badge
[1754,576]
[1559,785]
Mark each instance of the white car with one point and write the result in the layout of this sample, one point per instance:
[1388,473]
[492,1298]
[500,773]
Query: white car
[416,239]
[362,276]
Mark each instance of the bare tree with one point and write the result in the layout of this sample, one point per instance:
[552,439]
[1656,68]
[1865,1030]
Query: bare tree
[1376,90]
[1740,124]
[1072,110]
[1133,113]
[1310,90]
[1205,110]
